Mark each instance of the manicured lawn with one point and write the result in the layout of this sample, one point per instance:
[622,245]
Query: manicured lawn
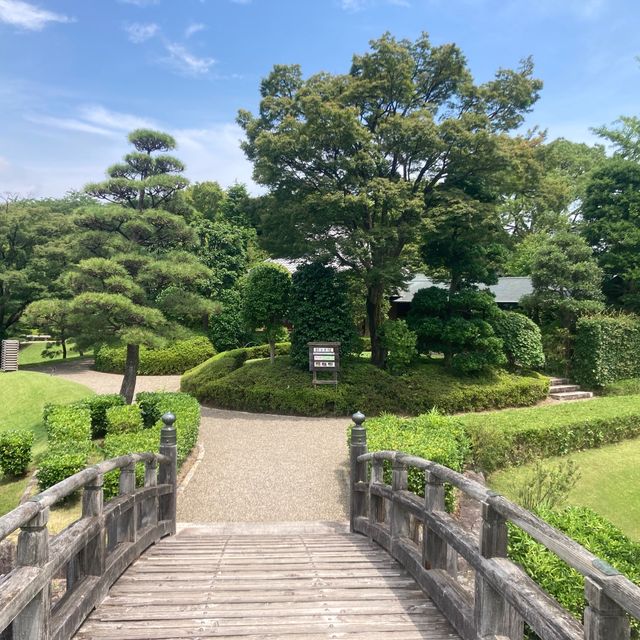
[24,395]
[32,354]
[609,483]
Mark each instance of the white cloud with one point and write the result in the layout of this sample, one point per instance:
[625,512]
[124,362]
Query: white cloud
[28,16]
[194,28]
[69,124]
[138,32]
[4,164]
[181,59]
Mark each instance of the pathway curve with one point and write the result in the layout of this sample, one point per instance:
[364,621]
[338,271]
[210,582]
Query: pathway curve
[251,467]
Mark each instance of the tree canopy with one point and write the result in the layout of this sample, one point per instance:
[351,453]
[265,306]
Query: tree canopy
[352,160]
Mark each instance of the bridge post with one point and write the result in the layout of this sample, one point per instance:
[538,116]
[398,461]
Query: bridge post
[128,523]
[434,548]
[150,507]
[603,618]
[33,551]
[92,507]
[494,616]
[399,516]
[168,471]
[357,504]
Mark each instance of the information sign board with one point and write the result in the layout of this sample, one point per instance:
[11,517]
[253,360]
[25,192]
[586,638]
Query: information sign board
[324,356]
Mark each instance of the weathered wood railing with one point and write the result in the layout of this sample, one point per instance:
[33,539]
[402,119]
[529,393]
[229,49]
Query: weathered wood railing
[93,551]
[423,537]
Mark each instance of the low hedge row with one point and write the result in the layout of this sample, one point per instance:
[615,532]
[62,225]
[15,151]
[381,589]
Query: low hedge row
[432,436]
[627,387]
[595,533]
[606,349]
[224,381]
[517,436]
[67,424]
[15,451]
[173,359]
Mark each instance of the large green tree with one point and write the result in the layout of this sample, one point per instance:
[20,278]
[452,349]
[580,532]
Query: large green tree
[624,137]
[35,247]
[351,160]
[140,282]
[611,224]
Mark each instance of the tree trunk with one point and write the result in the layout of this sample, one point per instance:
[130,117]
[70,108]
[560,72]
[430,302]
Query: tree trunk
[272,351]
[375,295]
[63,344]
[130,373]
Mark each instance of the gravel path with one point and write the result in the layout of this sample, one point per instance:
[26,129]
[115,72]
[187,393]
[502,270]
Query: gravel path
[79,371]
[265,468]
[251,467]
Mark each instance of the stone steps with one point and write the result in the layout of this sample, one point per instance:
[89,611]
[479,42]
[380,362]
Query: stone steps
[562,389]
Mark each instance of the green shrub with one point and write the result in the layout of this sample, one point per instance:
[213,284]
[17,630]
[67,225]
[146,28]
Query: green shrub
[284,389]
[592,531]
[122,444]
[400,343]
[98,406]
[606,349]
[173,359]
[432,436]
[628,387]
[520,435]
[15,452]
[125,419]
[57,466]
[320,312]
[224,363]
[226,327]
[67,424]
[521,338]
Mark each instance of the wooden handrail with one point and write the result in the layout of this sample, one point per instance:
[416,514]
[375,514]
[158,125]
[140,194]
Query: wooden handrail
[505,597]
[94,550]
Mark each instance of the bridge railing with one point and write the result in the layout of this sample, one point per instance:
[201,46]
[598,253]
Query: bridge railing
[90,553]
[426,540]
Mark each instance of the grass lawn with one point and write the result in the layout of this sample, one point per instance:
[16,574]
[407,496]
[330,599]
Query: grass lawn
[609,483]
[32,354]
[24,394]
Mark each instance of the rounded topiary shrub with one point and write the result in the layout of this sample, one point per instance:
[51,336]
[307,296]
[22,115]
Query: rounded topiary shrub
[175,358]
[522,340]
[15,452]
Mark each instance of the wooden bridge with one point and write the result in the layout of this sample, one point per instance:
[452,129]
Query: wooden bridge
[402,569]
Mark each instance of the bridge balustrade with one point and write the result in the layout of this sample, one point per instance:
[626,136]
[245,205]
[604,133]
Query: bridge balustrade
[420,534]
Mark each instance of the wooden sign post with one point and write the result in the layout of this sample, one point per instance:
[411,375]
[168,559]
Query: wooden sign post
[324,356]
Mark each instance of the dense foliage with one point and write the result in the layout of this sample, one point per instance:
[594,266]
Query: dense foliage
[15,451]
[265,300]
[606,349]
[98,406]
[432,436]
[224,381]
[227,329]
[457,324]
[67,424]
[399,343]
[124,419]
[175,358]
[320,310]
[59,465]
[596,534]
[521,339]
[517,436]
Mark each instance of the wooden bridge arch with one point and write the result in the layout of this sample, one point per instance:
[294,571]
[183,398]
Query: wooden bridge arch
[423,540]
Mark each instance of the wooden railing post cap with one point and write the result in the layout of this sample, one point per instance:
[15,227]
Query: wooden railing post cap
[358,432]
[168,432]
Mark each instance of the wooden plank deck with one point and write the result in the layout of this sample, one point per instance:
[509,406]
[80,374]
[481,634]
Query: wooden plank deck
[205,583]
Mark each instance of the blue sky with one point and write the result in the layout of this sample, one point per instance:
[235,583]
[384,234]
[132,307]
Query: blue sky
[75,75]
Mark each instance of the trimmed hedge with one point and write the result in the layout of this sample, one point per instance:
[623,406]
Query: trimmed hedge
[98,406]
[622,388]
[67,424]
[432,436]
[173,359]
[520,435]
[281,388]
[521,339]
[606,349]
[591,530]
[57,466]
[224,363]
[125,419]
[15,451]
